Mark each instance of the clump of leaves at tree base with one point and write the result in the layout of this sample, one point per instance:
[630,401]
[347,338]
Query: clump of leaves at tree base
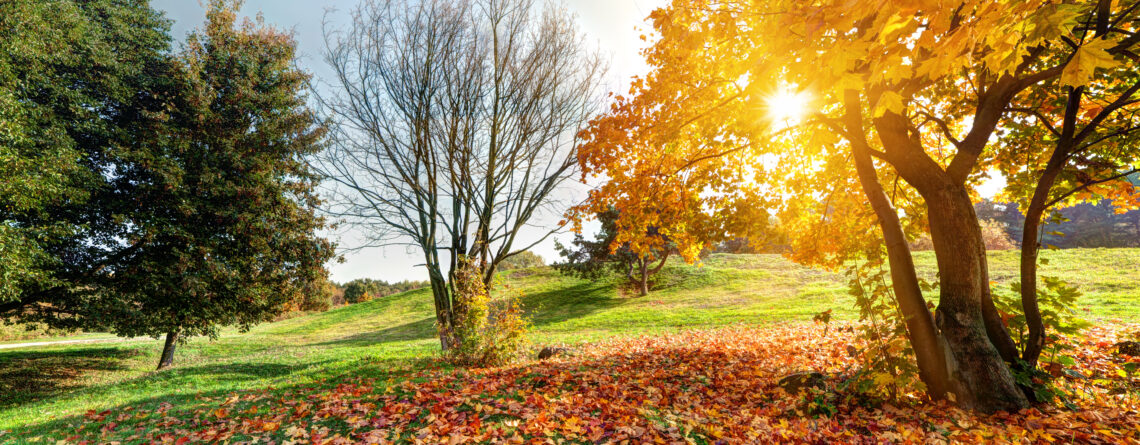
[484,334]
[1057,300]
[886,367]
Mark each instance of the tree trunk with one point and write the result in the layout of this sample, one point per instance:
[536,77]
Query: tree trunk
[995,327]
[644,276]
[986,380]
[167,357]
[1030,247]
[930,349]
[443,311]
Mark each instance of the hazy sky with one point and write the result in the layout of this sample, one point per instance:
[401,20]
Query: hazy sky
[612,25]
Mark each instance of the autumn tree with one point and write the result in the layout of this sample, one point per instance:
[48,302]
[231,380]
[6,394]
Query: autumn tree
[590,259]
[223,208]
[900,107]
[1090,116]
[455,124]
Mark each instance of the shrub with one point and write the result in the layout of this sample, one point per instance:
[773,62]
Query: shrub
[483,334]
[522,260]
[993,233]
[358,291]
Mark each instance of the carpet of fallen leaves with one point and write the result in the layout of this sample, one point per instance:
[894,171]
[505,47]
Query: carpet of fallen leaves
[706,386]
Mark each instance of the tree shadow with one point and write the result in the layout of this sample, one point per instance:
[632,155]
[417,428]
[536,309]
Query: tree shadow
[186,404]
[414,330]
[32,375]
[580,300]
[231,371]
[548,307]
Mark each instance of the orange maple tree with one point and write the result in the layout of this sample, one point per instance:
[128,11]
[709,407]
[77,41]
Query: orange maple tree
[907,99]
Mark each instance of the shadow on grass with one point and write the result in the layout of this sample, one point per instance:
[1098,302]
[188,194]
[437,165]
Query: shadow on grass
[415,330]
[547,307]
[32,375]
[231,371]
[185,405]
[580,300]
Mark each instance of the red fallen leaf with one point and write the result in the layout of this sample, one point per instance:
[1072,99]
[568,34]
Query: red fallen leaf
[182,440]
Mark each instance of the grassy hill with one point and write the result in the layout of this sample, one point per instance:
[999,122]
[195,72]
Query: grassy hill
[43,389]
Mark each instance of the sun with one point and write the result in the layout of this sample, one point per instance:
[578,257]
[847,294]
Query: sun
[788,106]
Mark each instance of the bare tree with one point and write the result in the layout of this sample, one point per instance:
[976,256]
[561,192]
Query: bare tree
[454,124]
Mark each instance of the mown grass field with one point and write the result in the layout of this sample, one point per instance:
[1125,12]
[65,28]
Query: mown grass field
[47,389]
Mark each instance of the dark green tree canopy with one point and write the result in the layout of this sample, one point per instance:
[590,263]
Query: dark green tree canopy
[225,204]
[77,82]
[147,192]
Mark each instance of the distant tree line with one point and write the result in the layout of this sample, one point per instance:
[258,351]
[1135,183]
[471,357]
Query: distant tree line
[1087,224]
[365,289]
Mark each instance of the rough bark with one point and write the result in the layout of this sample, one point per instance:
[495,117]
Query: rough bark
[167,357]
[929,348]
[443,311]
[995,327]
[987,382]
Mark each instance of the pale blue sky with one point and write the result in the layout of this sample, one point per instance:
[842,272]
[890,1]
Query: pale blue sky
[612,24]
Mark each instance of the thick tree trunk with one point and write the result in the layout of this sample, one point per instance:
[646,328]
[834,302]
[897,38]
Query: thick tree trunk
[986,379]
[441,295]
[995,327]
[930,349]
[167,357]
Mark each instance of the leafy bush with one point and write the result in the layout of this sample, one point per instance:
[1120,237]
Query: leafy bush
[888,369]
[1057,301]
[994,234]
[522,260]
[483,335]
[366,289]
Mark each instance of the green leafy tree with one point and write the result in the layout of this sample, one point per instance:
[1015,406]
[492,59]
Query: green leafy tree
[226,217]
[522,260]
[591,259]
[78,82]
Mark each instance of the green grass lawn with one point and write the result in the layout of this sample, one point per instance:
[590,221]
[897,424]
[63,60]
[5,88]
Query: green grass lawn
[48,388]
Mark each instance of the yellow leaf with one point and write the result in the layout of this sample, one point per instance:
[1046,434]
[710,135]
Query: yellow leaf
[889,101]
[894,25]
[1086,60]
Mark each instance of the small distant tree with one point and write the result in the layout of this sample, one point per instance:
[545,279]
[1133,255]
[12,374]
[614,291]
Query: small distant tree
[317,297]
[591,259]
[365,289]
[525,259]
[359,291]
[225,219]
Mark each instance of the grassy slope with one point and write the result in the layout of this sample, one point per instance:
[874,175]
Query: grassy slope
[41,387]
